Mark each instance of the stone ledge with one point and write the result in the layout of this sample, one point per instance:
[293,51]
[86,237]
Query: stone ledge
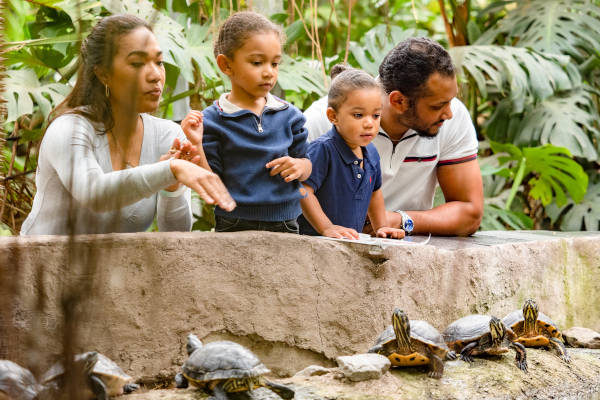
[294,300]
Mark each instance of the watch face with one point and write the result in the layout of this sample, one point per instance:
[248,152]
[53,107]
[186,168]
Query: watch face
[408,225]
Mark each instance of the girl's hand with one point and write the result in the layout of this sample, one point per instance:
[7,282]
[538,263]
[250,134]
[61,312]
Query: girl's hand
[290,168]
[193,128]
[208,185]
[392,233]
[340,232]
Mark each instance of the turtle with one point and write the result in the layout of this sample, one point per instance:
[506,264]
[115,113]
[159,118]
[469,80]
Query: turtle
[535,329]
[104,377]
[224,367]
[412,343]
[483,334]
[16,382]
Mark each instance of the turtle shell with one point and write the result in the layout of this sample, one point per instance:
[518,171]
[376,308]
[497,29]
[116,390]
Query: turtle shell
[111,374]
[16,382]
[467,329]
[420,330]
[222,360]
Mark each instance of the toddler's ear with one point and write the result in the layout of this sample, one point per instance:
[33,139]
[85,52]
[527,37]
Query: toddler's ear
[331,115]
[224,64]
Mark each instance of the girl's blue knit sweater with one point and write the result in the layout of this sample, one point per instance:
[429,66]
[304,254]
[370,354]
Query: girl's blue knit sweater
[238,144]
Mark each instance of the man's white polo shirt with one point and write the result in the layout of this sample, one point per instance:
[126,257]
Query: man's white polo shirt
[409,170]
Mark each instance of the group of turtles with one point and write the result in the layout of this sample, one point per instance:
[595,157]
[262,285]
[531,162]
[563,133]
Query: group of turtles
[414,342]
[224,367]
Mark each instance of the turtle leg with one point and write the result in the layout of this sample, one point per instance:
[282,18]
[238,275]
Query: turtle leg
[130,387]
[465,353]
[376,349]
[436,366]
[281,390]
[98,388]
[451,355]
[560,349]
[181,381]
[219,393]
[521,355]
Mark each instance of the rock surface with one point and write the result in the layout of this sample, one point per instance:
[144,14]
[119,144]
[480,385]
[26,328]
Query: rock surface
[314,370]
[582,337]
[362,367]
[487,378]
[294,301]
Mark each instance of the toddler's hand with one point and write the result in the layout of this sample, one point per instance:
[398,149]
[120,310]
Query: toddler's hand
[193,128]
[290,168]
[392,233]
[340,232]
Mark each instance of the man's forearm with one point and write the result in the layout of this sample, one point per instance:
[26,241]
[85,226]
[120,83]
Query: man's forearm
[453,218]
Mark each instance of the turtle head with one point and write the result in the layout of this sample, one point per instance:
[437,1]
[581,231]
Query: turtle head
[193,344]
[530,311]
[401,326]
[497,331]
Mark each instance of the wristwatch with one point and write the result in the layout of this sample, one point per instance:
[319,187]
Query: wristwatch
[407,222]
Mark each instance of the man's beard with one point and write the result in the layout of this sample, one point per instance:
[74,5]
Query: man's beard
[412,121]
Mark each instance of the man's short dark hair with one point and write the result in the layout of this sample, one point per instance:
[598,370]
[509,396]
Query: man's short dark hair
[408,66]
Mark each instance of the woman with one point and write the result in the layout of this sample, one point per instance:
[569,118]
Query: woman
[104,164]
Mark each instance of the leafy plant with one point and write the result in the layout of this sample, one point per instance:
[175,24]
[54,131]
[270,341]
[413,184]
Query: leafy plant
[575,217]
[553,172]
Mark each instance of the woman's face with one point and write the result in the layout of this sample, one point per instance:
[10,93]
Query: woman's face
[137,77]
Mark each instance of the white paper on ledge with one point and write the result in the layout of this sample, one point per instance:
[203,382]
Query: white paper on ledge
[381,242]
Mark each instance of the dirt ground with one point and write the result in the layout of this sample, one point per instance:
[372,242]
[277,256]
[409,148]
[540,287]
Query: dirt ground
[487,378]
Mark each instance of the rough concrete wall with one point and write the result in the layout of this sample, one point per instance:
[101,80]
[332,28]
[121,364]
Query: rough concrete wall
[294,300]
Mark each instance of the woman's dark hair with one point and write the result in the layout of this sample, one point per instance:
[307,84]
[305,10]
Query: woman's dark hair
[345,80]
[237,29]
[98,49]
[408,66]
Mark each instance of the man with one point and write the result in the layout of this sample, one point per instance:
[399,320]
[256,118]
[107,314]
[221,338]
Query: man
[426,137]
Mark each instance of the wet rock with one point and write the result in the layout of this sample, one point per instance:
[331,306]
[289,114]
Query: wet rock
[361,367]
[582,337]
[314,370]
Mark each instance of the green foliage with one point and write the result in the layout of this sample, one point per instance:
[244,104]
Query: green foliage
[554,172]
[498,218]
[23,88]
[376,43]
[575,217]
[553,26]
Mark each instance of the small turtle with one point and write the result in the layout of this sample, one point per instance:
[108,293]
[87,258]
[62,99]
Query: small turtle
[225,367]
[481,334]
[16,382]
[536,329]
[410,343]
[104,377]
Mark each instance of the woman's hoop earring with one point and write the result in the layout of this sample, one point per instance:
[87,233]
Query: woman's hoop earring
[106,91]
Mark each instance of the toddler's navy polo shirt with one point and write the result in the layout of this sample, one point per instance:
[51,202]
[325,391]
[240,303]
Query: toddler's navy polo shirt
[343,189]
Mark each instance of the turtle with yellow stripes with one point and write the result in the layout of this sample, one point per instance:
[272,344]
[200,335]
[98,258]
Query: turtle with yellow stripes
[408,343]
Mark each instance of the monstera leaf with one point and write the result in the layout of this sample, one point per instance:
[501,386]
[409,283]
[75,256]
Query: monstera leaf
[377,42]
[497,218]
[575,217]
[553,26]
[522,75]
[567,120]
[554,172]
[22,88]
